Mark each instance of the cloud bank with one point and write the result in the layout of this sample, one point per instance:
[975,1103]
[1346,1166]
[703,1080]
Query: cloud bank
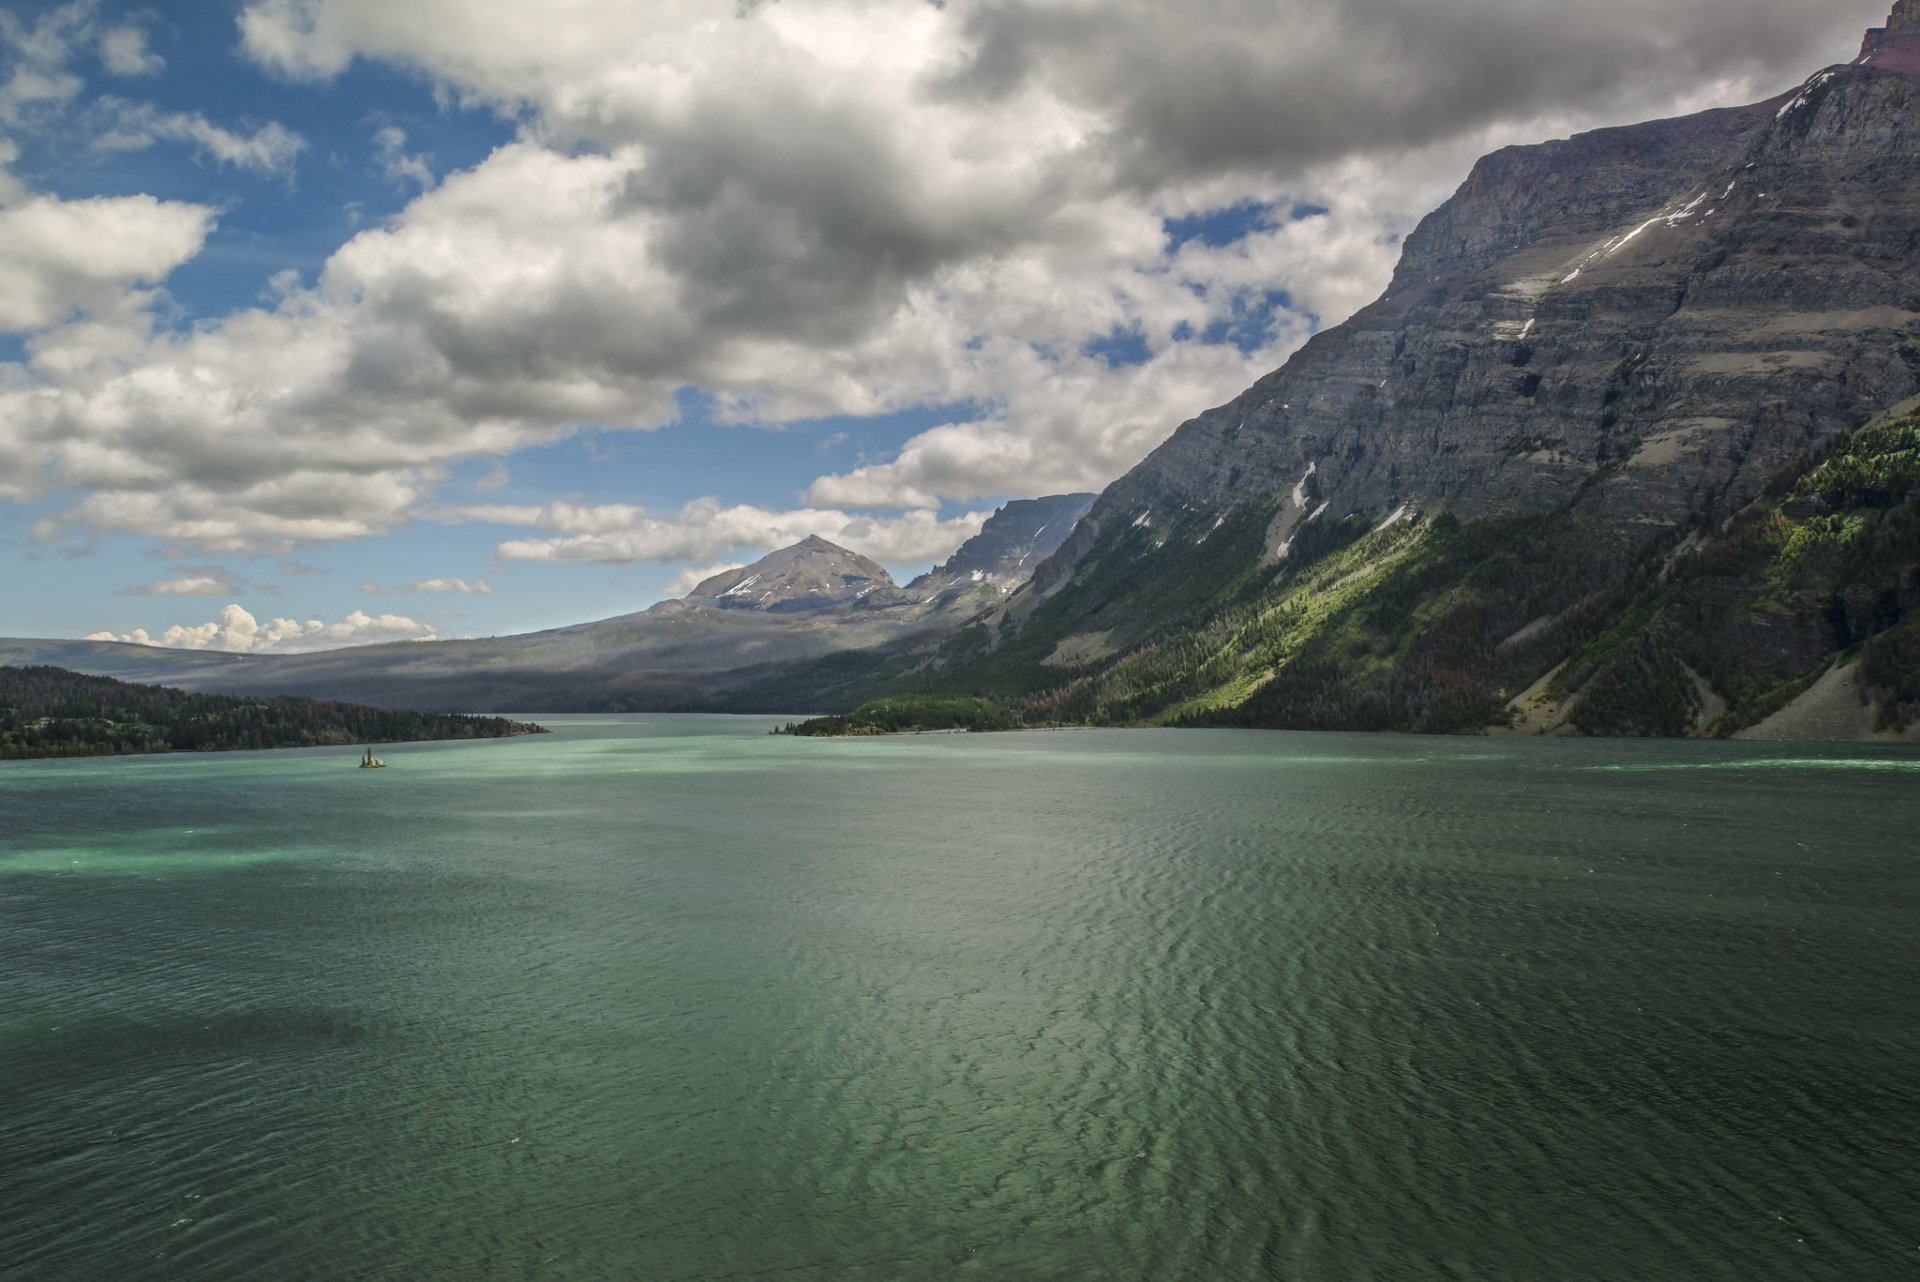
[814,207]
[479,586]
[239,632]
[703,530]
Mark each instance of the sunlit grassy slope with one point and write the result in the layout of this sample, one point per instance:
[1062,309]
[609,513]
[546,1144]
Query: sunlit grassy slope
[1431,624]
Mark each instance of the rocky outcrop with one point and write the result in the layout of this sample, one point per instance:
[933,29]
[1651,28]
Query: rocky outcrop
[1583,447]
[1647,323]
[1896,46]
[1013,541]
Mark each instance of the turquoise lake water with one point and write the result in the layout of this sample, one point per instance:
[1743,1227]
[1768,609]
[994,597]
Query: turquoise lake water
[669,998]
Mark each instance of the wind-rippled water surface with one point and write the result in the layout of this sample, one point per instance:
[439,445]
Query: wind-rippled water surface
[669,998]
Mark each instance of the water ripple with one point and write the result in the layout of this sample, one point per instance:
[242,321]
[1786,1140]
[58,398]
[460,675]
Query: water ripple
[667,998]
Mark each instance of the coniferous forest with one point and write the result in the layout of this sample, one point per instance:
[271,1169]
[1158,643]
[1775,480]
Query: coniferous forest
[51,712]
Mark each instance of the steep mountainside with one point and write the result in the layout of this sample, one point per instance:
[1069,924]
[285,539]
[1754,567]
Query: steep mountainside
[1642,324]
[1600,354]
[801,603]
[1008,548]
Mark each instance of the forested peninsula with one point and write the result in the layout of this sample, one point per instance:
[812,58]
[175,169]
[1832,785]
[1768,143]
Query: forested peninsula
[51,712]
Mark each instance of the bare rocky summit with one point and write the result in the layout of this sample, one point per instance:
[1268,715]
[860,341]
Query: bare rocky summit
[813,574]
[1896,46]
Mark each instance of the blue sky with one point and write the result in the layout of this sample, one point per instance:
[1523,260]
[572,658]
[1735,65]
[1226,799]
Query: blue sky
[469,317]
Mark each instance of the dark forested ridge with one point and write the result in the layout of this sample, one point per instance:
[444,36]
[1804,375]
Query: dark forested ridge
[51,712]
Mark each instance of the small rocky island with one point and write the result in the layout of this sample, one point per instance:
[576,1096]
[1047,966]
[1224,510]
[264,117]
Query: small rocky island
[51,712]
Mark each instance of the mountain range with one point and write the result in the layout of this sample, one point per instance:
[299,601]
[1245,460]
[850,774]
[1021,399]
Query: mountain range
[1594,462]
[1629,445]
[796,604]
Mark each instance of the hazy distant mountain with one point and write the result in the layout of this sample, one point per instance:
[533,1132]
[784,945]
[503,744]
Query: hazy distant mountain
[800,603]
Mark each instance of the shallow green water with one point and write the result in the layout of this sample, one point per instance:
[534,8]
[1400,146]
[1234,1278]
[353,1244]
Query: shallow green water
[669,998]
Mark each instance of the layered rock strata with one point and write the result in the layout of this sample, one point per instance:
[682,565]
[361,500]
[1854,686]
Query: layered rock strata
[1646,322]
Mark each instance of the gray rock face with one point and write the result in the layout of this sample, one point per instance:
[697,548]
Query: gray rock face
[1648,323]
[813,574]
[1013,541]
[1896,46]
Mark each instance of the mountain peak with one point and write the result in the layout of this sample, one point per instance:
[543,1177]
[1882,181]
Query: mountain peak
[1013,541]
[1896,46]
[813,574]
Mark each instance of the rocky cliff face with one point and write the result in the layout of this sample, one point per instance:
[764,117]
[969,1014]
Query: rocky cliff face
[1590,360]
[1647,322]
[1896,46]
[1014,540]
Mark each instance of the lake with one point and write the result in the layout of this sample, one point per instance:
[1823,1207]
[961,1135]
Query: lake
[671,998]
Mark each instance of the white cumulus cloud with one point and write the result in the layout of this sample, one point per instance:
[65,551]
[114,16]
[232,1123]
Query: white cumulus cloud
[38,78]
[58,257]
[808,208]
[693,576]
[269,149]
[704,530]
[479,586]
[204,581]
[124,52]
[390,149]
[239,632]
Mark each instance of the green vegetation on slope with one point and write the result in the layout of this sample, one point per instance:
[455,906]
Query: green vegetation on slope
[1826,566]
[1367,626]
[1434,625]
[1420,625]
[51,712]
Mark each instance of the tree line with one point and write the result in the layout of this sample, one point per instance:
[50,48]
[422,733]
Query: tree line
[53,712]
